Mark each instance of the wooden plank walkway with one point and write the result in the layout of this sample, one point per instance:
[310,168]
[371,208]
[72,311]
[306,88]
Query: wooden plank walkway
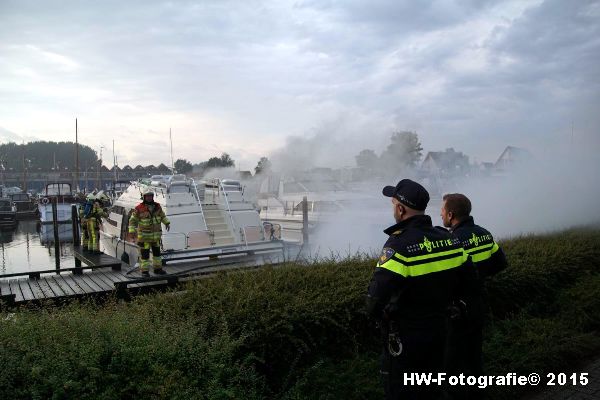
[107,276]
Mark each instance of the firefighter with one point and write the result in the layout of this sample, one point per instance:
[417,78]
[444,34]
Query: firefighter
[146,219]
[464,352]
[420,270]
[83,213]
[94,219]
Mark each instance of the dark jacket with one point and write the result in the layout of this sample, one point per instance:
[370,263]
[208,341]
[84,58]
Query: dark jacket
[488,257]
[420,271]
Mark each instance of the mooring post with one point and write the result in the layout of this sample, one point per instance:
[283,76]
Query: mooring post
[76,236]
[304,220]
[56,238]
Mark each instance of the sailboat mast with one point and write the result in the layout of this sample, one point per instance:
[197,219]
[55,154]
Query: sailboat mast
[172,163]
[114,165]
[76,158]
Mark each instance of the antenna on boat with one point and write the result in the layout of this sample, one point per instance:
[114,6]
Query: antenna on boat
[76,158]
[172,163]
[114,168]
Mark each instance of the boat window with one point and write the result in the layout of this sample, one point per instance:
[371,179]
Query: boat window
[19,197]
[58,189]
[178,178]
[232,188]
[179,187]
[118,210]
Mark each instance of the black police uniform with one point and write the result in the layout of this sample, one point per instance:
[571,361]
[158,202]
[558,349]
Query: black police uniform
[421,269]
[464,347]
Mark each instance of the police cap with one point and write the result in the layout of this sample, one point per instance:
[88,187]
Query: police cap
[409,193]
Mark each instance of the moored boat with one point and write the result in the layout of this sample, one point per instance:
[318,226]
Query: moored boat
[208,220]
[8,214]
[59,193]
[26,207]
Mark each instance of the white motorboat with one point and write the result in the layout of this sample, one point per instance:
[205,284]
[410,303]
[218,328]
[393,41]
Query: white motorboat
[59,193]
[280,200]
[209,219]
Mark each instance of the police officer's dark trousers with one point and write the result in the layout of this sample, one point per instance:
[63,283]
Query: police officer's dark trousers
[464,355]
[422,353]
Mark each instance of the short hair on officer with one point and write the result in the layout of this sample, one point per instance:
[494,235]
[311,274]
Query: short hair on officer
[458,204]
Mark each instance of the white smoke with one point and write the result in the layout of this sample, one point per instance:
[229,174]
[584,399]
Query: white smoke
[559,190]
[333,144]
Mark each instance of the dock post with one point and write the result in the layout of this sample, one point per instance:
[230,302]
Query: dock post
[56,238]
[304,220]
[76,235]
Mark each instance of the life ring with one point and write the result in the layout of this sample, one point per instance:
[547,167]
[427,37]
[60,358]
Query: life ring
[45,200]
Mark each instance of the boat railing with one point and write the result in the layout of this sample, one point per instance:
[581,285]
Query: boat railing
[174,240]
[252,234]
[200,239]
[221,188]
[193,183]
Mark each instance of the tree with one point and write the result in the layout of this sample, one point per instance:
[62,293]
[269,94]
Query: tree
[403,151]
[220,162]
[264,165]
[227,161]
[183,166]
[366,159]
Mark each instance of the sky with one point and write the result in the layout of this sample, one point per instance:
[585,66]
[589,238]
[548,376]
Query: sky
[254,78]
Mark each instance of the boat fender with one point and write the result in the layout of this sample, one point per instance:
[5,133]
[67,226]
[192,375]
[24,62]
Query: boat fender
[125,257]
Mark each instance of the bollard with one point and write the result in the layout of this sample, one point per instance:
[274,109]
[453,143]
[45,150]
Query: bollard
[76,236]
[304,221]
[75,225]
[56,238]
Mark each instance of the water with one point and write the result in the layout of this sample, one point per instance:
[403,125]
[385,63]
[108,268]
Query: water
[21,250]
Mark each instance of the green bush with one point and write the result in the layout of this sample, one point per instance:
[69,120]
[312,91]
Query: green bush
[291,332]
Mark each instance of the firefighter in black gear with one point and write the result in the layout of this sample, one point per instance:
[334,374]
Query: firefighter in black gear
[464,345]
[420,271]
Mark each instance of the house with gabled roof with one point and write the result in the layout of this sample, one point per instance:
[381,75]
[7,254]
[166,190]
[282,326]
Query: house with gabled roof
[449,162]
[512,156]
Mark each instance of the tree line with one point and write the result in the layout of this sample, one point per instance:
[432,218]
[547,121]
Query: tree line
[44,156]
[403,152]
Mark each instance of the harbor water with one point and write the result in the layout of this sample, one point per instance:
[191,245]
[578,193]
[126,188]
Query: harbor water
[22,250]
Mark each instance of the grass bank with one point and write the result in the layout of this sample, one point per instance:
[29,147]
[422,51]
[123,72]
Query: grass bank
[296,332]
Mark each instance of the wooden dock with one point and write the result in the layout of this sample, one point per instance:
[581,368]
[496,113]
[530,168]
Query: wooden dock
[104,275]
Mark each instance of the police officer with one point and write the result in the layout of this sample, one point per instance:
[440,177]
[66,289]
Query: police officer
[420,270]
[464,353]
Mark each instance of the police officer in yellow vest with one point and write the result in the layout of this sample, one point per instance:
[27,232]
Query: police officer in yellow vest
[146,221]
[420,270]
[464,347]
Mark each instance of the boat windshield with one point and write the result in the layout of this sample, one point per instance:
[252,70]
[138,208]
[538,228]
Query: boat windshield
[19,197]
[5,205]
[56,189]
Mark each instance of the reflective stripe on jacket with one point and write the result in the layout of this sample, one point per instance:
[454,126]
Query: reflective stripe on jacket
[147,222]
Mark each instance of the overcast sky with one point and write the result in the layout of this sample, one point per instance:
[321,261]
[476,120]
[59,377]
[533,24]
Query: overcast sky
[247,77]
